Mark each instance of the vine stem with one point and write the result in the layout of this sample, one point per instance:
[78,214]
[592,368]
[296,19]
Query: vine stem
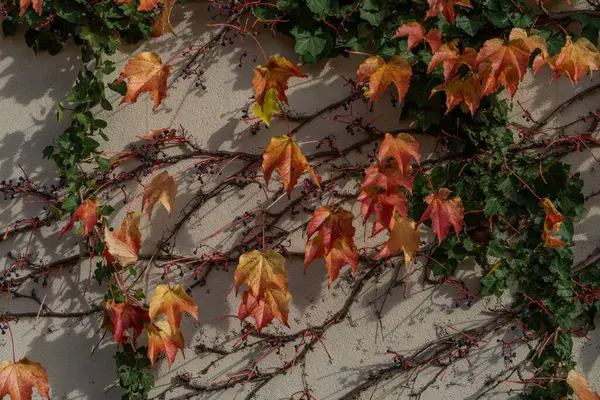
[243,31]
[12,341]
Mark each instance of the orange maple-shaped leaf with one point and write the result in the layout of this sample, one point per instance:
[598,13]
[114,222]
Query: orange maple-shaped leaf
[444,213]
[581,386]
[119,317]
[404,236]
[18,379]
[341,253]
[162,338]
[509,61]
[450,57]
[37,6]
[383,203]
[445,7]
[467,91]
[434,39]
[386,174]
[145,5]
[124,245]
[87,213]
[273,303]
[145,73]
[575,59]
[403,148]
[381,73]
[261,271]
[162,24]
[284,155]
[415,32]
[172,302]
[552,223]
[274,74]
[162,188]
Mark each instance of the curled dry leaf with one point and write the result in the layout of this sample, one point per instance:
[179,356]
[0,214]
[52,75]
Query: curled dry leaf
[87,213]
[403,147]
[162,338]
[162,24]
[415,32]
[124,245]
[273,303]
[446,8]
[270,84]
[145,5]
[404,236]
[159,135]
[172,302]
[162,188]
[37,6]
[18,379]
[119,317]
[581,386]
[552,223]
[444,213]
[284,155]
[381,74]
[145,73]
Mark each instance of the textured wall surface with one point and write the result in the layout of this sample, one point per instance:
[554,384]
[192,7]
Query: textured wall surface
[77,355]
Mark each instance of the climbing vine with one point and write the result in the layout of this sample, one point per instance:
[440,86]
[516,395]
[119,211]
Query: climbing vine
[499,194]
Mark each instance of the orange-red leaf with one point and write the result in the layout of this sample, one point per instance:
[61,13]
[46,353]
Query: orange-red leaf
[145,5]
[581,386]
[444,213]
[381,74]
[434,39]
[284,155]
[404,236]
[162,338]
[446,7]
[384,203]
[18,379]
[274,74]
[403,147]
[272,304]
[172,302]
[386,174]
[458,90]
[342,252]
[452,60]
[552,223]
[261,271]
[576,59]
[37,6]
[124,245]
[145,73]
[162,188]
[118,318]
[87,213]
[162,24]
[415,32]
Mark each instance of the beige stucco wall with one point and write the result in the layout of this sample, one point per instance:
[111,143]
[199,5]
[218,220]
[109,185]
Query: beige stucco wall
[30,86]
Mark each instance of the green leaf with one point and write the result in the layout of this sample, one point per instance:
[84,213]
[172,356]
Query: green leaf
[319,7]
[311,45]
[493,207]
[59,112]
[120,87]
[470,25]
[103,163]
[70,204]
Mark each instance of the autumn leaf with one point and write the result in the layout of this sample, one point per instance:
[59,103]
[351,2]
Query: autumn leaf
[172,302]
[162,24]
[509,61]
[87,213]
[415,32]
[386,174]
[162,188]
[404,236]
[444,213]
[119,317]
[37,6]
[145,73]
[552,223]
[450,57]
[162,338]
[145,5]
[124,245]
[576,59]
[381,74]
[159,135]
[284,155]
[446,8]
[261,271]
[18,379]
[273,303]
[581,386]
[403,147]
[383,203]
[467,91]
[434,39]
[342,252]
[268,108]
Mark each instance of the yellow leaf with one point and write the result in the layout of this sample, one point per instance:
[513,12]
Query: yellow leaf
[581,386]
[172,303]
[261,271]
[268,108]
[404,235]
[162,188]
[162,338]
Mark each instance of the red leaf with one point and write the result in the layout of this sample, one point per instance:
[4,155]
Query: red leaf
[552,223]
[162,338]
[444,213]
[172,302]
[118,318]
[334,223]
[145,73]
[387,175]
[452,60]
[272,304]
[403,148]
[458,90]
[434,39]
[37,6]
[383,203]
[87,213]
[446,7]
[343,252]
[414,31]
